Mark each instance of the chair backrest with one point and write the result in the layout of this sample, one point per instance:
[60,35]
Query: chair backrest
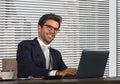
[10,64]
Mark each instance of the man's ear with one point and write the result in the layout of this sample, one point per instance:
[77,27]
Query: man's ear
[39,28]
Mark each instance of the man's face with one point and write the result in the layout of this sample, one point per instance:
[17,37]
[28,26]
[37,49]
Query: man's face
[48,31]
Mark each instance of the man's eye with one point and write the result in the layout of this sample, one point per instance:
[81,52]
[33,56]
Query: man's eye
[49,26]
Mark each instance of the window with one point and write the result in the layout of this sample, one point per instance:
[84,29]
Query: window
[85,25]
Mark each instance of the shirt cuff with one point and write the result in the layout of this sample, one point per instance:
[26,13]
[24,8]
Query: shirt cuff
[52,73]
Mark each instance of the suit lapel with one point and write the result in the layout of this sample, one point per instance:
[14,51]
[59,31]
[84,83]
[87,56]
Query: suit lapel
[38,54]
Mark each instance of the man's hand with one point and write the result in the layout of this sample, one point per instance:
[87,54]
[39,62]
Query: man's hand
[67,72]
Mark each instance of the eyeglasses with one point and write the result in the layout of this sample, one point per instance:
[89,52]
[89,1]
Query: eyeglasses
[51,28]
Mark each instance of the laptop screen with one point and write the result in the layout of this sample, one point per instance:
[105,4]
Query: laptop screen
[92,63]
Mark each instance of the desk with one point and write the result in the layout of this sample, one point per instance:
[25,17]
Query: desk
[66,81]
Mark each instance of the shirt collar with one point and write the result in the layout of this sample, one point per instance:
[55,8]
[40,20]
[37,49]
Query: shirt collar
[41,43]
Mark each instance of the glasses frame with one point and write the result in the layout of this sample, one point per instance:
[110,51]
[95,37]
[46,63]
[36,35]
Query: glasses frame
[49,27]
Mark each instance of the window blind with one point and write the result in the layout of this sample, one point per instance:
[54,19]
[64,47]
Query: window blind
[93,28]
[85,25]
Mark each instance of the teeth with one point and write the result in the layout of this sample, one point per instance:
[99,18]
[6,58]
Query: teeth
[50,36]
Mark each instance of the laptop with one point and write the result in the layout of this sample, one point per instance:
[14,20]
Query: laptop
[92,63]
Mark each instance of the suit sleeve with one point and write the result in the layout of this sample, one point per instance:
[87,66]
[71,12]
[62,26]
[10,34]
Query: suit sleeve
[58,63]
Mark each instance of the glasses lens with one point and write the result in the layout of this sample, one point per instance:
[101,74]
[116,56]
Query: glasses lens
[52,28]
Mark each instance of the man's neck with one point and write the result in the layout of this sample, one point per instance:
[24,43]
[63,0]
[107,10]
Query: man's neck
[42,43]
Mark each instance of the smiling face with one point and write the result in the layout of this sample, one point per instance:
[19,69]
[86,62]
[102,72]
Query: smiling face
[48,31]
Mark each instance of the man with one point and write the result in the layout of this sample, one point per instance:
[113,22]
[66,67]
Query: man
[36,57]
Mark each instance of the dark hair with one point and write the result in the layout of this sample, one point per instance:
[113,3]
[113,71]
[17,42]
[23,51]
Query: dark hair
[51,16]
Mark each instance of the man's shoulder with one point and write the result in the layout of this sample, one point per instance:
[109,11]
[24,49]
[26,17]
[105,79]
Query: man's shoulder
[27,42]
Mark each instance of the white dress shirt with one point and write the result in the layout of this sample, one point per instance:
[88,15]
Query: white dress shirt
[45,49]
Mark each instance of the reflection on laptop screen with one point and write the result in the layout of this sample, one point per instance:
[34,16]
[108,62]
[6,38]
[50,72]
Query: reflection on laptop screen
[92,63]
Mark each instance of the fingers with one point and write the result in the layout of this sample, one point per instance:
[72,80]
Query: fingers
[68,71]
[71,71]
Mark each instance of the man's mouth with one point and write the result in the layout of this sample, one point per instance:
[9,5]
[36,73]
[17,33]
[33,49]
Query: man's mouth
[50,36]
